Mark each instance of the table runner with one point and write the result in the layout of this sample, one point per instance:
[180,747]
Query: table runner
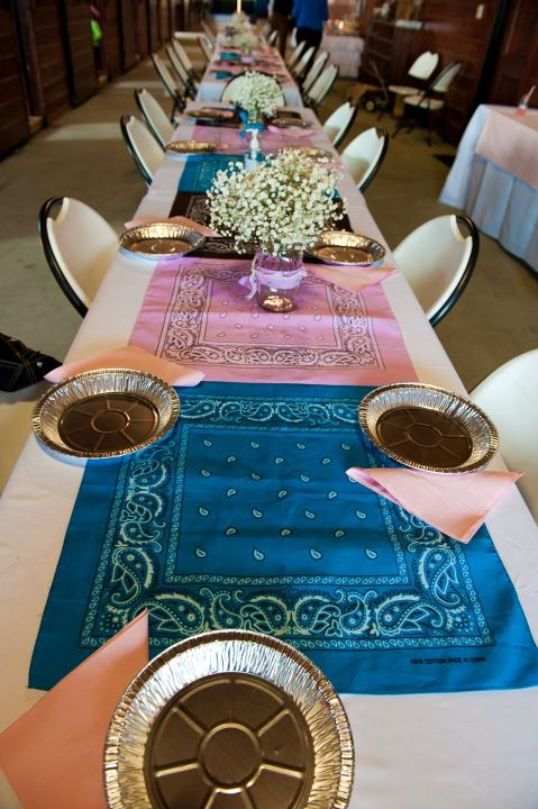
[196,313]
[243,517]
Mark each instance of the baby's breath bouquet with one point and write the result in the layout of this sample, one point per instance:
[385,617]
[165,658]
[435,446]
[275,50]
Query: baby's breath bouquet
[281,208]
[245,40]
[258,94]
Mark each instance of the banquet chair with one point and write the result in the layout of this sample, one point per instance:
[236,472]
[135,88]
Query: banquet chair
[300,67]
[272,39]
[340,122]
[295,54]
[231,89]
[154,116]
[321,87]
[431,100]
[169,84]
[421,69]
[79,246]
[146,152]
[205,47]
[181,54]
[365,154]
[437,260]
[188,86]
[210,34]
[319,63]
[509,395]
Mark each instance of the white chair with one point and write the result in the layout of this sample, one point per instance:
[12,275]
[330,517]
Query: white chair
[79,246]
[209,33]
[365,154]
[509,396]
[421,69]
[205,47]
[433,99]
[272,39]
[154,116]
[321,87]
[169,83]
[299,68]
[142,146]
[315,70]
[340,122]
[189,87]
[437,259]
[183,57]
[229,94]
[296,53]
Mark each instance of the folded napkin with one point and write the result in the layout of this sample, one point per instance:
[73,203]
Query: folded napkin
[456,504]
[178,220]
[222,74]
[134,358]
[353,278]
[291,131]
[53,755]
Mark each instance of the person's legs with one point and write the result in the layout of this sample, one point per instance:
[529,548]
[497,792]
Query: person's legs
[279,22]
[312,38]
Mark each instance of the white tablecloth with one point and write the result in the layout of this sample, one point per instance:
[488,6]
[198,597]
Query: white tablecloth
[436,751]
[345,51]
[501,204]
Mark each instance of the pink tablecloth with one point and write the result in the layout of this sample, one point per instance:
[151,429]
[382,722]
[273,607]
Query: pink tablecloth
[511,141]
[196,313]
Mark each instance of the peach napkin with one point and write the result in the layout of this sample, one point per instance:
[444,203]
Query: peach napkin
[352,278]
[456,504]
[178,220]
[135,358]
[53,755]
[291,132]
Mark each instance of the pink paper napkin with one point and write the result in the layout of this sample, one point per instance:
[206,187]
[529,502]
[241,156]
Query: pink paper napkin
[352,278]
[134,358]
[53,755]
[456,504]
[178,220]
[291,131]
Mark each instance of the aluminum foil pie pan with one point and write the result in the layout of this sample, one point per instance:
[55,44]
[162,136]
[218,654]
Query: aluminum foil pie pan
[429,428]
[226,720]
[105,413]
[187,147]
[160,241]
[345,248]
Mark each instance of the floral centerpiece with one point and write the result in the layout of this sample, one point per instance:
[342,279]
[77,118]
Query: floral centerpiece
[245,40]
[280,209]
[258,95]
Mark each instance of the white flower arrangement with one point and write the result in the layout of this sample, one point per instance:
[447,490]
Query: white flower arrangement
[258,94]
[282,207]
[245,40]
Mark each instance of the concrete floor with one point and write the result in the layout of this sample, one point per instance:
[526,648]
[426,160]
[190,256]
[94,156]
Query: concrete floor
[82,155]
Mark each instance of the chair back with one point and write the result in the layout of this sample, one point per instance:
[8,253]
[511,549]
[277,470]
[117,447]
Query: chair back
[445,78]
[208,31]
[322,85]
[182,55]
[142,146]
[169,83]
[79,246]
[509,395]
[315,70]
[437,260]
[180,72]
[154,116]
[205,46]
[272,39]
[296,53]
[229,94]
[340,122]
[298,69]
[365,154]
[424,65]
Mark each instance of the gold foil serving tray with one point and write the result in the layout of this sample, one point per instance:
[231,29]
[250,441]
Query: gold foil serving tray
[160,241]
[181,147]
[229,719]
[105,413]
[429,428]
[284,122]
[343,247]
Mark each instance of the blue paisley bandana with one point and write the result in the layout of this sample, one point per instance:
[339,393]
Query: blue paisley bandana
[243,517]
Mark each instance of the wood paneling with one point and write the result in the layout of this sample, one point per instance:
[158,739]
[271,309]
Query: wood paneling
[517,64]
[129,47]
[81,61]
[392,49]
[142,27]
[164,20]
[48,35]
[14,127]
[111,38]
[153,19]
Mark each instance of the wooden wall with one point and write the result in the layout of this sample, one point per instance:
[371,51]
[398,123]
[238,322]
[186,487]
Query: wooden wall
[128,34]
[154,30]
[79,47]
[111,38]
[142,27]
[51,58]
[517,63]
[14,126]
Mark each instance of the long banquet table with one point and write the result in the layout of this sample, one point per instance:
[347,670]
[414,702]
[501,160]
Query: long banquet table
[473,750]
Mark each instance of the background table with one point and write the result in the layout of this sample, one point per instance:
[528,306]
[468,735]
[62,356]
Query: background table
[495,178]
[471,750]
[345,51]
